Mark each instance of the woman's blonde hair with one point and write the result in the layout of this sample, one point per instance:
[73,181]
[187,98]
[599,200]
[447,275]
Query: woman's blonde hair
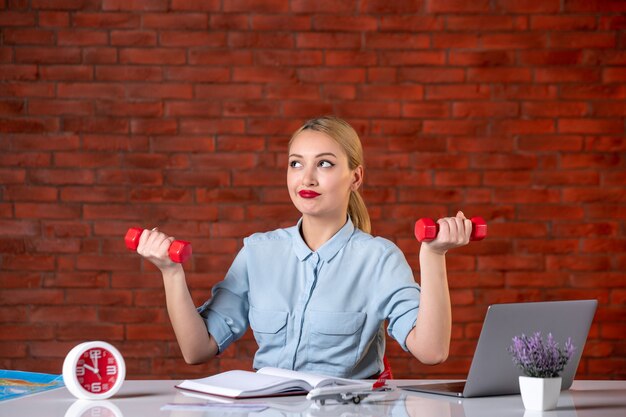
[342,133]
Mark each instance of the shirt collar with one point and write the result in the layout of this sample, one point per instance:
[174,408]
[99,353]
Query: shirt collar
[329,249]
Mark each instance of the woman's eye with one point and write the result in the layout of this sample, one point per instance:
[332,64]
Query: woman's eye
[295,164]
[326,164]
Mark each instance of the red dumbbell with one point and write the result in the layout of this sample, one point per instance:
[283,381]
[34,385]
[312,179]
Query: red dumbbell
[426,229]
[179,250]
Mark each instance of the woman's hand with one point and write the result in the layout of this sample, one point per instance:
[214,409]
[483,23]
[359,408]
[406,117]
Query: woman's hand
[154,245]
[453,233]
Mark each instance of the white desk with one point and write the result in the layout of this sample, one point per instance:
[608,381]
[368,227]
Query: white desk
[145,398]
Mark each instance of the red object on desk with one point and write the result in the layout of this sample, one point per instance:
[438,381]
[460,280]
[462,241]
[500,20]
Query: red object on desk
[178,252]
[426,229]
[384,375]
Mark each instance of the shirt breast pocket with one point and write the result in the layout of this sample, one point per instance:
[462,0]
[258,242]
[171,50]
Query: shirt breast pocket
[269,328]
[335,338]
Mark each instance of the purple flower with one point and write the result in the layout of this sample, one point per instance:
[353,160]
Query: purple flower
[540,359]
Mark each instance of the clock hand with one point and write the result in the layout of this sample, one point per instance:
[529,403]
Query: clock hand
[92,369]
[94,360]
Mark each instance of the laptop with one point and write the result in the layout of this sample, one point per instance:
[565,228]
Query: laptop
[492,371]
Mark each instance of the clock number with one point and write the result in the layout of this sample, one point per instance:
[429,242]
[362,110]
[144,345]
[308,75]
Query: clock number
[96,387]
[111,369]
[80,371]
[95,354]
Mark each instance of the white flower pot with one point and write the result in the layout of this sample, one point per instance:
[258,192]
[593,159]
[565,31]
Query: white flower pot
[540,394]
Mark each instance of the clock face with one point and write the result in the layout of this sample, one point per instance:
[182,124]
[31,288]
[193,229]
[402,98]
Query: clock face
[97,370]
[94,370]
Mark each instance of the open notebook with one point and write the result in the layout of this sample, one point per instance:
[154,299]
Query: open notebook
[266,381]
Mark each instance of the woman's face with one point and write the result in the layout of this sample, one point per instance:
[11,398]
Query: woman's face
[318,177]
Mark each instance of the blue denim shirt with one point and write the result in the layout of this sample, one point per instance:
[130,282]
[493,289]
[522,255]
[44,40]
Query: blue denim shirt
[320,311]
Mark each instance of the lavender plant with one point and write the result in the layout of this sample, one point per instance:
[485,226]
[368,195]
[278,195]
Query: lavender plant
[540,359]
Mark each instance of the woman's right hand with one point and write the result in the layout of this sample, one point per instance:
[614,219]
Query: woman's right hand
[153,246]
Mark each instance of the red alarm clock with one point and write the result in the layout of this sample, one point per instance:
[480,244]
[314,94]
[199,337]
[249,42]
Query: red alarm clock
[94,370]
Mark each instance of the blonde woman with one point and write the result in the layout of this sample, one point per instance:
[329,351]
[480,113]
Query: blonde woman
[317,294]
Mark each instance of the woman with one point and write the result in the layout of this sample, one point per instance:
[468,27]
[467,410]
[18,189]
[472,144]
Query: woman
[317,295]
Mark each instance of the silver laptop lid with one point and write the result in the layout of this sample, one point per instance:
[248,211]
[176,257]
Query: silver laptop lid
[493,372]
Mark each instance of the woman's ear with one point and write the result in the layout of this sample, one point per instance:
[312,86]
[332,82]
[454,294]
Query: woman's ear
[357,178]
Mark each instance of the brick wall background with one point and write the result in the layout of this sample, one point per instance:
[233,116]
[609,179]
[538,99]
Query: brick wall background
[176,113]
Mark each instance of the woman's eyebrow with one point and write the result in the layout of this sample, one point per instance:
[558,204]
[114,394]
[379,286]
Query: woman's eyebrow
[295,155]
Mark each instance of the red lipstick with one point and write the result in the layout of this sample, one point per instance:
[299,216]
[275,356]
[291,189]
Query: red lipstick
[307,194]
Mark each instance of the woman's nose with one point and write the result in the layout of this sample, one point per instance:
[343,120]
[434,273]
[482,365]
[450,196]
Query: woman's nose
[309,177]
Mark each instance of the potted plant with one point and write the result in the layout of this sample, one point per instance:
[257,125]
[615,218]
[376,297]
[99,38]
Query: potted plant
[542,363]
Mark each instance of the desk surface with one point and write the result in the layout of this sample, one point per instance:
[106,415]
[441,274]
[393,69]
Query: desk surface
[145,398]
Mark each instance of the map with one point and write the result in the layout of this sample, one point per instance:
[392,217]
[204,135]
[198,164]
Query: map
[15,384]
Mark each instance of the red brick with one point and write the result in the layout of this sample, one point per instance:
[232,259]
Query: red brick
[454,127]
[481,58]
[346,23]
[612,22]
[260,40]
[298,23]
[29,37]
[99,55]
[411,22]
[577,263]
[53,19]
[27,332]
[127,73]
[589,126]
[429,75]
[496,75]
[609,108]
[458,91]
[195,5]
[30,125]
[527,6]
[576,40]
[474,109]
[566,75]
[550,57]
[139,5]
[133,37]
[550,212]
[160,91]
[536,279]
[18,72]
[468,23]
[224,58]
[180,22]
[323,6]
[457,6]
[47,55]
[524,127]
[152,56]
[596,6]
[315,40]
[568,178]
[455,41]
[593,91]
[13,18]
[548,143]
[613,75]
[563,22]
[525,92]
[480,144]
[272,6]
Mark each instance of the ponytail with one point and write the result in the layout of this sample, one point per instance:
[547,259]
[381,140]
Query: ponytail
[358,212]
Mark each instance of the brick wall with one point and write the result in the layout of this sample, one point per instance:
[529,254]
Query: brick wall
[176,113]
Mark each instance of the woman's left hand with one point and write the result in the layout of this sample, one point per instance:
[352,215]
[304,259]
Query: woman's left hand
[453,233]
